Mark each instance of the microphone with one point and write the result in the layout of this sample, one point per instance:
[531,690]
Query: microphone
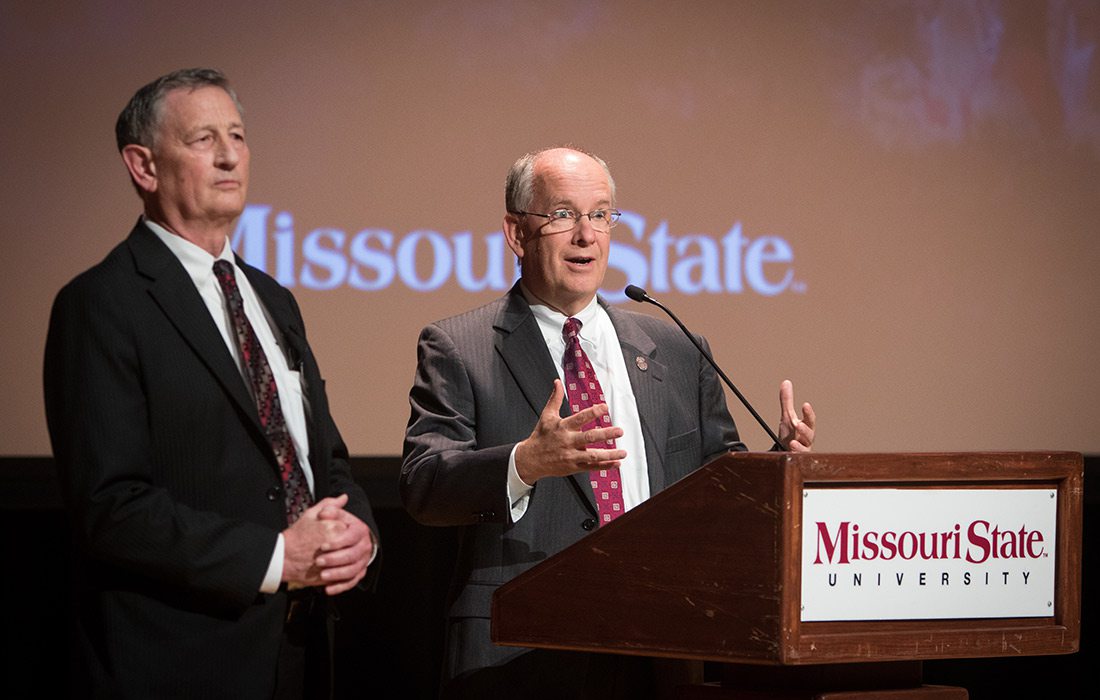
[638,294]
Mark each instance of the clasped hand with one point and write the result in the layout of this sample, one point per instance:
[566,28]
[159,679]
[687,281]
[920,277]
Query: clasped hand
[327,546]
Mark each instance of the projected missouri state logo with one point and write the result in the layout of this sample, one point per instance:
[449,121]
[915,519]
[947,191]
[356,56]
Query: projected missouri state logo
[422,260]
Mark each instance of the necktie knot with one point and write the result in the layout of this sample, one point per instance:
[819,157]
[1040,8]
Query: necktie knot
[571,329]
[223,270]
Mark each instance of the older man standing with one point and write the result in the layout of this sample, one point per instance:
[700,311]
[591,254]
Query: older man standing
[524,476]
[208,488]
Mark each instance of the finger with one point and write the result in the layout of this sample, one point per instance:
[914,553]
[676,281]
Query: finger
[346,536]
[581,418]
[786,402]
[336,574]
[552,409]
[337,588]
[614,464]
[333,507]
[597,437]
[339,584]
[808,415]
[329,502]
[796,446]
[339,515]
[805,435]
[331,512]
[804,430]
[592,457]
[344,556]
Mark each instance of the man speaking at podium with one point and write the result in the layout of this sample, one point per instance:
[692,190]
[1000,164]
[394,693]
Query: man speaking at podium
[487,448]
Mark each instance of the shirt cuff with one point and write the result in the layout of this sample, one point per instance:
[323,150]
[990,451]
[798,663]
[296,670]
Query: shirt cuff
[274,573]
[375,546]
[519,492]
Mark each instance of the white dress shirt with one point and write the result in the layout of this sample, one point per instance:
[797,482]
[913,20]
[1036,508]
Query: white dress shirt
[600,342]
[199,265]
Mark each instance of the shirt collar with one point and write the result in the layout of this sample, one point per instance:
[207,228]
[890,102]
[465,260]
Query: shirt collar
[551,321]
[198,263]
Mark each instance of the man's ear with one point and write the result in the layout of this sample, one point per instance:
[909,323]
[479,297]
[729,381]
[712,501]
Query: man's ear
[143,170]
[514,234]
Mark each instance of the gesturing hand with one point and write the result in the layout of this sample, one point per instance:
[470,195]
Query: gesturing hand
[559,446]
[796,435]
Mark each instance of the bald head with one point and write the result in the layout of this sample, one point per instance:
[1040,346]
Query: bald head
[519,188]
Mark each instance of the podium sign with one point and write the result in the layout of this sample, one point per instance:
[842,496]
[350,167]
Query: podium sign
[927,553]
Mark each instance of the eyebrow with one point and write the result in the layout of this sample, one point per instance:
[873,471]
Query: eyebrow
[212,127]
[566,204]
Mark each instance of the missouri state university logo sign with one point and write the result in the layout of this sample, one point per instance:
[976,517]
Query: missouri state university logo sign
[896,554]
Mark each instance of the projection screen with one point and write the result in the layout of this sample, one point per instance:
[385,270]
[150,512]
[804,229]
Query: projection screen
[892,204]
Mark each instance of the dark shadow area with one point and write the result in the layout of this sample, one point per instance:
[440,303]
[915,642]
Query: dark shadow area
[393,637]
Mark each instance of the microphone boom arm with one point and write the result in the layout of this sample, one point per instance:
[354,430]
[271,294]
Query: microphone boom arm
[639,294]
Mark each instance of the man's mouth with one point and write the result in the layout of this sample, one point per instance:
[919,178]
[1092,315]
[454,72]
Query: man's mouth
[579,260]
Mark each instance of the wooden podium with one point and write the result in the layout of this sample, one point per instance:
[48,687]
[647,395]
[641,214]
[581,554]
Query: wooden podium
[711,569]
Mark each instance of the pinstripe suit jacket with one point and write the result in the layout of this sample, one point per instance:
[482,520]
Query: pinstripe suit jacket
[482,380]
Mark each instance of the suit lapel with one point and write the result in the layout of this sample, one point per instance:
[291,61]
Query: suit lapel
[290,335]
[519,343]
[175,293]
[648,387]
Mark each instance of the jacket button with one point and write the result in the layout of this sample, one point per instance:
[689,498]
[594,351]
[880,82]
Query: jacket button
[274,493]
[589,524]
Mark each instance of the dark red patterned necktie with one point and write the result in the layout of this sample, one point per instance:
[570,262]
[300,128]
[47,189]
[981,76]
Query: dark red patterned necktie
[583,390]
[295,489]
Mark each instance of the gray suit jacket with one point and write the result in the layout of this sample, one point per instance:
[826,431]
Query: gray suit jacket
[482,380]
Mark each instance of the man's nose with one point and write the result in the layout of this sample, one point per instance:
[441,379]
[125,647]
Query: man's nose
[227,155]
[583,233]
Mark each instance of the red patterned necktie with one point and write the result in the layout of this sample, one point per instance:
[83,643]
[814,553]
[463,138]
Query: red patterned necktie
[295,489]
[583,390]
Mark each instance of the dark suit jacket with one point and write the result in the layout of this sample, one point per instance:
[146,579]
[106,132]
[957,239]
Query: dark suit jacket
[171,487]
[482,380]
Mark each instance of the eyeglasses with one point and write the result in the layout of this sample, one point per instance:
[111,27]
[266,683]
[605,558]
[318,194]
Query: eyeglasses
[563,220]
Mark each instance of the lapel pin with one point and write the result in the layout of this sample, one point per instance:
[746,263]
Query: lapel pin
[641,362]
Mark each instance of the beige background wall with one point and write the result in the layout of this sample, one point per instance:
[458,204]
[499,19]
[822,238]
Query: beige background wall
[932,167]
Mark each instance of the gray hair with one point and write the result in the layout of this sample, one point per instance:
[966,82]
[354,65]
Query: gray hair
[519,187]
[138,122]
